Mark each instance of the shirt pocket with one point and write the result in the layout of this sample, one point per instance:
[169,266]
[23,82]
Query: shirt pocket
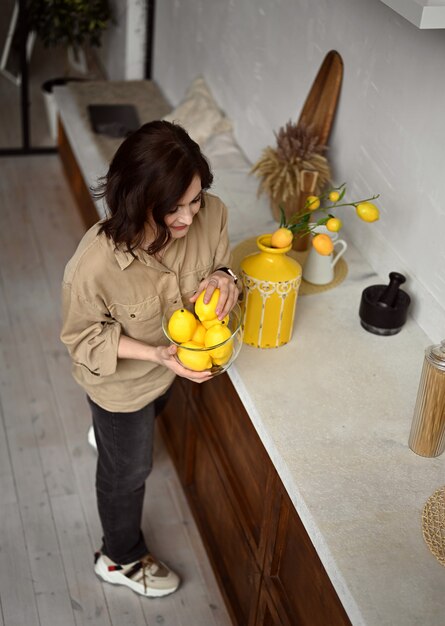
[142,321]
[189,282]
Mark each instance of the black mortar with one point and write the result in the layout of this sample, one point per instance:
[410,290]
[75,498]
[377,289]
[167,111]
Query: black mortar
[384,308]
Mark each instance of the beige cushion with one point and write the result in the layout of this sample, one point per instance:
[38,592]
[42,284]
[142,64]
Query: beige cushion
[223,152]
[199,114]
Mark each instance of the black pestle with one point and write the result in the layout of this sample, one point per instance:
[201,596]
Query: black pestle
[389,295]
[383,308]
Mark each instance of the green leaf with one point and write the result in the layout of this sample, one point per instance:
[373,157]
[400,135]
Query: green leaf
[298,227]
[283,217]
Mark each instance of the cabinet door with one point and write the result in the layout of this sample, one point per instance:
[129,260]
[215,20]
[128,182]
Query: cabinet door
[242,462]
[233,562]
[295,576]
[267,614]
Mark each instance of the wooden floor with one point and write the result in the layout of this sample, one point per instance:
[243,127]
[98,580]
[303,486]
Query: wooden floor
[49,526]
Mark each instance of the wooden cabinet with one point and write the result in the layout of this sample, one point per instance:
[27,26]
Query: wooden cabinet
[239,456]
[235,565]
[294,575]
[264,561]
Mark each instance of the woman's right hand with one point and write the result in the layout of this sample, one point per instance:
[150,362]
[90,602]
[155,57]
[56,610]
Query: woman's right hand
[167,357]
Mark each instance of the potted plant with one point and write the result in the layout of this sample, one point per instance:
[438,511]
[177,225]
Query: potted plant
[283,168]
[69,23]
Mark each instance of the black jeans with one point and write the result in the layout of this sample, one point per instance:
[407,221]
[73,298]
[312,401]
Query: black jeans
[125,453]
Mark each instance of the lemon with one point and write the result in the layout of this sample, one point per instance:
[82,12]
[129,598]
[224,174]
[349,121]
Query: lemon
[323,244]
[222,361]
[199,334]
[281,238]
[334,196]
[197,359]
[367,212]
[334,224]
[221,355]
[214,336]
[209,323]
[181,325]
[207,311]
[312,203]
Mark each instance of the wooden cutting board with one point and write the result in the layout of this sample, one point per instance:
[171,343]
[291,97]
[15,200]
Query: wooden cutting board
[321,103]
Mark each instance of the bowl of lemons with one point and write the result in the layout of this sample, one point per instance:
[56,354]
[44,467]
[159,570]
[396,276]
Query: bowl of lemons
[205,342]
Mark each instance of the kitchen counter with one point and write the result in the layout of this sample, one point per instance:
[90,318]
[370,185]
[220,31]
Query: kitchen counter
[333,409]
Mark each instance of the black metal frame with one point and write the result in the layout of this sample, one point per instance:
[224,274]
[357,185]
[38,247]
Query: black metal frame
[150,26]
[26,148]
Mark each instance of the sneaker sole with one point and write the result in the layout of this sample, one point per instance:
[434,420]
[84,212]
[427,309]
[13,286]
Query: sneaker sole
[119,579]
[92,439]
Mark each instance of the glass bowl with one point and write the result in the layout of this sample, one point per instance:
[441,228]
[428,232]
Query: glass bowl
[236,339]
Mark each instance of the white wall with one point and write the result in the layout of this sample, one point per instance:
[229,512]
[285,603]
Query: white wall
[122,53]
[260,58]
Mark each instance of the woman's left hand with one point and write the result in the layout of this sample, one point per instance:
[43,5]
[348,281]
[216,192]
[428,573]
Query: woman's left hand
[228,296]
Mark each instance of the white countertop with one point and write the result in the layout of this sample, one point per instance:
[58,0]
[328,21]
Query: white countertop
[333,409]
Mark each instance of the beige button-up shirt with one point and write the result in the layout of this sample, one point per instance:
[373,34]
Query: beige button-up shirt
[107,292]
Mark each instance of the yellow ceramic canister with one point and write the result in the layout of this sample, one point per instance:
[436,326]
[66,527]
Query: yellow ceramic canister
[271,280]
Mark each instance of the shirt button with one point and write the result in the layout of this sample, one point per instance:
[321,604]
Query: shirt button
[132,315]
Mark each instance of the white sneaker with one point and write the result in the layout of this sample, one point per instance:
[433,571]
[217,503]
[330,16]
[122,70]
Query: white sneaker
[148,577]
[91,438]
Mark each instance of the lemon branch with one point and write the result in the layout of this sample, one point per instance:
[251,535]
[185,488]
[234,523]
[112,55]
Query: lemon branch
[300,224]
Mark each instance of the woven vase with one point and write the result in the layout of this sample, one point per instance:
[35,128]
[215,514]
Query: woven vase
[295,205]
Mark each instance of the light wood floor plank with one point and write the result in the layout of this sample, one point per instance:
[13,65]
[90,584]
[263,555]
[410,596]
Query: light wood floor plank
[85,589]
[125,606]
[7,487]
[59,477]
[4,317]
[54,602]
[54,218]
[21,267]
[16,587]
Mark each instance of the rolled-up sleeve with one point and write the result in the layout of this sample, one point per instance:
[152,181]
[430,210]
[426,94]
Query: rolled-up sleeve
[223,255]
[89,333]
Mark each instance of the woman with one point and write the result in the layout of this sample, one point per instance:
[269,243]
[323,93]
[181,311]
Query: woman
[164,242]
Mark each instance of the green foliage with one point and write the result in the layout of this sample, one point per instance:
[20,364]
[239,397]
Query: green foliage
[69,22]
[282,217]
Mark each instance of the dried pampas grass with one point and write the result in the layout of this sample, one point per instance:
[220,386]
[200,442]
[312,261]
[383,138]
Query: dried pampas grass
[279,168]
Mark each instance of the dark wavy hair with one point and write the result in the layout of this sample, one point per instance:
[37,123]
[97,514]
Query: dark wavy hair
[150,172]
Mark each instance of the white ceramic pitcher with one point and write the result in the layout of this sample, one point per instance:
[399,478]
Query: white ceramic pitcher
[319,269]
